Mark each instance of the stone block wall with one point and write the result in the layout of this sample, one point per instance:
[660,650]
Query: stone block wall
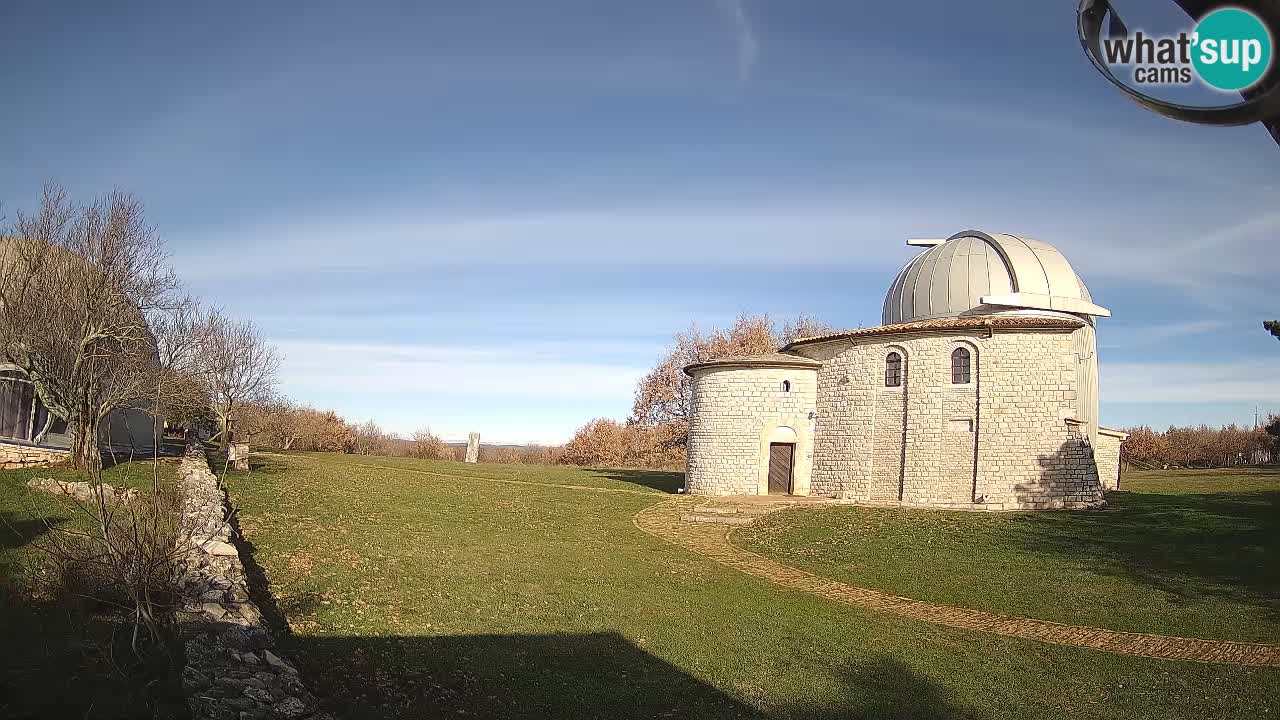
[942,423]
[1107,456]
[889,425]
[1030,456]
[734,408]
[913,443]
[843,459]
[1002,439]
[14,456]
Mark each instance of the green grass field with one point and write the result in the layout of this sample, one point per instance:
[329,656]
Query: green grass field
[416,588]
[69,659]
[1191,553]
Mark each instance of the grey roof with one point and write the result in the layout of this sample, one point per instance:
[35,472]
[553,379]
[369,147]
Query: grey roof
[973,269]
[773,359]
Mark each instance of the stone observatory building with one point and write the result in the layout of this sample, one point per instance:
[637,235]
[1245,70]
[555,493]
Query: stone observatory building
[978,391]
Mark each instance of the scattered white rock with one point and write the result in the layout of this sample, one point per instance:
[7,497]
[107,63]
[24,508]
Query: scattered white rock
[218,547]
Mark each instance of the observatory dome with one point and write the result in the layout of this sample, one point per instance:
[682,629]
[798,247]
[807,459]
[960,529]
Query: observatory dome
[974,273]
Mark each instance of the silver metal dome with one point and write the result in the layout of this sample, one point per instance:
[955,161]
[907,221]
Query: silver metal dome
[973,273]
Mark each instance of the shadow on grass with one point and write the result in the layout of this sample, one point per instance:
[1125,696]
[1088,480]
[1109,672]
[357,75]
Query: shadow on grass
[663,480]
[17,530]
[1188,546]
[168,450]
[69,656]
[583,675]
[562,675]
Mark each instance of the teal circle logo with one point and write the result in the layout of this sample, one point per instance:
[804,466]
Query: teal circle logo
[1232,49]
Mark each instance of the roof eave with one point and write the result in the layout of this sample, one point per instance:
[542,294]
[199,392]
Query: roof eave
[989,323]
[800,363]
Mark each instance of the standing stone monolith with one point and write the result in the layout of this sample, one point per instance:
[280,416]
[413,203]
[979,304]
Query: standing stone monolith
[473,447]
[238,455]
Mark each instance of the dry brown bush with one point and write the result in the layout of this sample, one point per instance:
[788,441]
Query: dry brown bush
[503,454]
[284,425]
[427,445]
[608,443]
[600,443]
[1201,446]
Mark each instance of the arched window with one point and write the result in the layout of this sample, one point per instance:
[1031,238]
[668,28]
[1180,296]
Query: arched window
[893,370]
[786,386]
[960,366]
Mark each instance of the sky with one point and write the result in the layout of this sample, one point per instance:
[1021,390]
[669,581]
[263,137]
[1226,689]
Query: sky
[487,216]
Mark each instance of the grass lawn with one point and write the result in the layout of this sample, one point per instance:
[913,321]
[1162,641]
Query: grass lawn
[53,662]
[1191,553]
[418,589]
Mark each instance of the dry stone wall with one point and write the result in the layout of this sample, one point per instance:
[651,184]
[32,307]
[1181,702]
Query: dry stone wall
[233,670]
[733,410]
[20,456]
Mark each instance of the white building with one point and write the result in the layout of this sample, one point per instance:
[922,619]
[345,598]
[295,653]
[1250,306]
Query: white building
[978,391]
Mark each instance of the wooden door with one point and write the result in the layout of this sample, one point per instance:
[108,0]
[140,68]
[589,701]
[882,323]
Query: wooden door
[780,460]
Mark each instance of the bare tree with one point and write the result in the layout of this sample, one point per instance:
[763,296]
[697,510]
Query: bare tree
[663,396]
[277,422]
[370,439]
[77,283]
[284,422]
[238,367]
[91,316]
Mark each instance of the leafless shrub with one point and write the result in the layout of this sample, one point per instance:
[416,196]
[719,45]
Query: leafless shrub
[428,446]
[118,550]
[370,439]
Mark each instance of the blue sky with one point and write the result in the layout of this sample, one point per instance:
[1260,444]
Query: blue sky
[492,216]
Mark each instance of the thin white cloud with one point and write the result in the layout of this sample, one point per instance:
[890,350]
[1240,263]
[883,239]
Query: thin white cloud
[312,367]
[863,233]
[1247,381]
[1146,336]
[748,49]
[1256,229]
[799,235]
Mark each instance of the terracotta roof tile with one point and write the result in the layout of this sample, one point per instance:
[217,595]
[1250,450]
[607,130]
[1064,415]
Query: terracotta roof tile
[1029,322]
[774,359]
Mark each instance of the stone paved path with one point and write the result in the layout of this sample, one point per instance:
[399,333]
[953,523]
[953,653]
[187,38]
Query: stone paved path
[663,520]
